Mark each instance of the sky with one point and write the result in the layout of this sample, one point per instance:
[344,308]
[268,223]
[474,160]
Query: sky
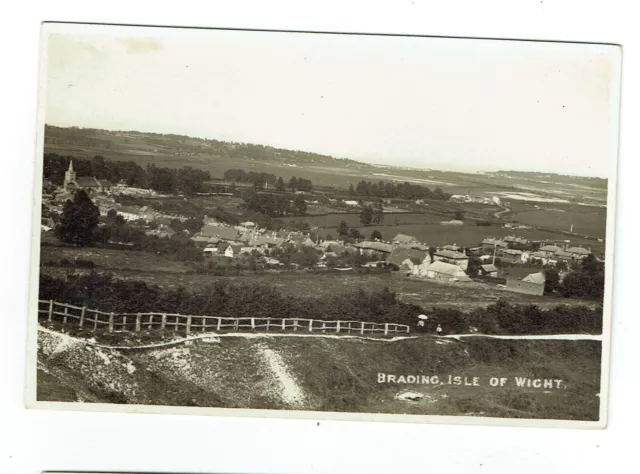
[452,104]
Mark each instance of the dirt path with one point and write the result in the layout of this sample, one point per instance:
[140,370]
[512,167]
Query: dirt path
[531,337]
[503,211]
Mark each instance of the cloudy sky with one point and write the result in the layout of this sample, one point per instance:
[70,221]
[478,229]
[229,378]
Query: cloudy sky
[422,102]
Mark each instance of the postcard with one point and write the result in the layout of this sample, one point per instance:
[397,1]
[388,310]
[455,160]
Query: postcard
[323,226]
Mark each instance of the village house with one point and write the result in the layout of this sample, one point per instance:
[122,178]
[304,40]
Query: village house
[489,270]
[549,250]
[510,255]
[489,244]
[440,270]
[453,248]
[405,259]
[578,253]
[226,234]
[454,258]
[232,251]
[516,242]
[371,249]
[532,284]
[404,239]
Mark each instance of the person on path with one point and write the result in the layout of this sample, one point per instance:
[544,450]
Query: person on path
[439,330]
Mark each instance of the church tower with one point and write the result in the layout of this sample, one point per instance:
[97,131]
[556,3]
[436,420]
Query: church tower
[69,176]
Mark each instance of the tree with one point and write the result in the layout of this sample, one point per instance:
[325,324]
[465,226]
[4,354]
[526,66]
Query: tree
[300,205]
[355,233]
[552,280]
[378,213]
[343,228]
[293,183]
[280,187]
[79,220]
[366,215]
[352,191]
[474,266]
[376,235]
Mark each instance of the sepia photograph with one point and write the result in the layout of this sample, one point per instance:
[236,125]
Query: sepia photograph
[323,225]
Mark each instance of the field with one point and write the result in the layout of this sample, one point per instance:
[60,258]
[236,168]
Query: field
[585,220]
[167,273]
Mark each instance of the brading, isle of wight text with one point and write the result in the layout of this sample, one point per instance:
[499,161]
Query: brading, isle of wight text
[471,381]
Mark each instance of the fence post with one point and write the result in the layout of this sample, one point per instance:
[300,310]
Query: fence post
[138,322]
[407,329]
[175,324]
[84,311]
[163,324]
[268,323]
[386,328]
[66,311]
[50,310]
[204,324]
[188,324]
[96,315]
[219,324]
[362,327]
[310,325]
[338,326]
[295,324]
[150,325]
[253,323]
[124,322]
[284,324]
[111,317]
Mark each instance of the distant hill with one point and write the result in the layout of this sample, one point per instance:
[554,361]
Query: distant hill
[554,177]
[181,145]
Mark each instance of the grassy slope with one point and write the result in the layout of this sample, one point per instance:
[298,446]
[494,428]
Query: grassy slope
[332,374]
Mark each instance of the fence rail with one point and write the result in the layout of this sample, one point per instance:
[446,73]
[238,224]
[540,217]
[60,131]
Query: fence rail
[93,319]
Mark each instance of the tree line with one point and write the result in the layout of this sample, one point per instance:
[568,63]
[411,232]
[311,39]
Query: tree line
[185,180]
[274,205]
[260,179]
[404,190]
[250,299]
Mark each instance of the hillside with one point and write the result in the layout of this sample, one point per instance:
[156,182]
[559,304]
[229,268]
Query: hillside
[143,143]
[335,374]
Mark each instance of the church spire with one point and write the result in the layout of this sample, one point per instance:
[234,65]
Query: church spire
[71,166]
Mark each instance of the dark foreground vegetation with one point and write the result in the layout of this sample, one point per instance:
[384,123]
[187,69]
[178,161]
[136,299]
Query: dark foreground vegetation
[100,291]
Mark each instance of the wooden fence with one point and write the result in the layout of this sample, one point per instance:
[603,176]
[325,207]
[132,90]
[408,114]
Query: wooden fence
[93,319]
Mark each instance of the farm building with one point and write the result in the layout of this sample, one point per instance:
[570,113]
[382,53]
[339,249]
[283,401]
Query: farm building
[452,222]
[439,270]
[455,258]
[532,284]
